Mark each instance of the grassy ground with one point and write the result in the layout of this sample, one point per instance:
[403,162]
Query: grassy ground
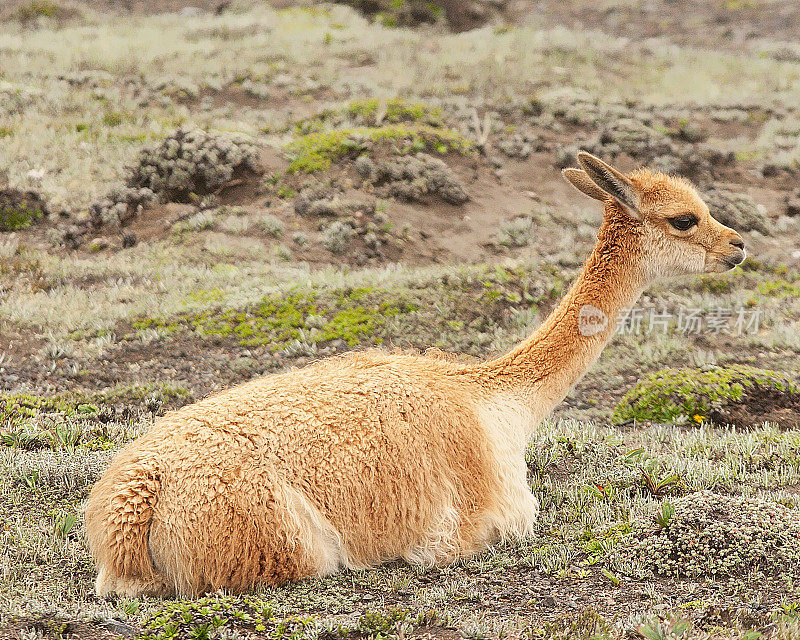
[106,322]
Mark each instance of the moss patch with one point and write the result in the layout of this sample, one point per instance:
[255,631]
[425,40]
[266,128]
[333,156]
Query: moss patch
[394,111]
[442,313]
[20,209]
[317,151]
[353,316]
[704,395]
[371,112]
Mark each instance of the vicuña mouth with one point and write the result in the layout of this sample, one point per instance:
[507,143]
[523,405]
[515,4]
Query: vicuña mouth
[734,260]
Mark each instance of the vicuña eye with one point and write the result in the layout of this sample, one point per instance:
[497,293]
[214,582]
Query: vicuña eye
[683,223]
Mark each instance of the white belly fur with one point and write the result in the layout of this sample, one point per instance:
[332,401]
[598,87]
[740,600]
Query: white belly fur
[508,422]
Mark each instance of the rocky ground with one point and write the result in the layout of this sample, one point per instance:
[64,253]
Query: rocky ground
[194,194]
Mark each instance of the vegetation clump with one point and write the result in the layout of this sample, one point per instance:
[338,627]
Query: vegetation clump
[372,112]
[414,177]
[706,533]
[30,421]
[516,233]
[713,394]
[191,162]
[20,209]
[318,151]
[736,210]
[460,15]
[35,9]
[121,205]
[353,316]
[324,202]
[337,236]
[393,111]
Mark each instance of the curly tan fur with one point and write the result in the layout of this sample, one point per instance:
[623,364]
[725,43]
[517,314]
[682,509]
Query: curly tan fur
[369,457]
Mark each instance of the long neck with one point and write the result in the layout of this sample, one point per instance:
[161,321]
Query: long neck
[546,365]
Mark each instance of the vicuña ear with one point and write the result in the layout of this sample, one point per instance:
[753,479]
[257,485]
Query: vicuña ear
[611,181]
[583,183]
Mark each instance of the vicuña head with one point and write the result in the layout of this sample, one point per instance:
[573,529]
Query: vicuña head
[369,457]
[669,227]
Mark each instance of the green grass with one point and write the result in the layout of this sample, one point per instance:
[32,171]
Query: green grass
[14,218]
[71,419]
[692,394]
[318,151]
[779,288]
[371,316]
[394,111]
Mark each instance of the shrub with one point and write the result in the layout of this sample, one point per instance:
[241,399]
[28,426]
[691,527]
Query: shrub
[20,209]
[337,236]
[191,162]
[717,535]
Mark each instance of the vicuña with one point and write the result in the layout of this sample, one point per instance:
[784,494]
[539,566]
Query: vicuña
[374,456]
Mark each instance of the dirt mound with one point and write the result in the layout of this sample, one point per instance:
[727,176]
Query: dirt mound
[738,394]
[705,533]
[20,209]
[761,404]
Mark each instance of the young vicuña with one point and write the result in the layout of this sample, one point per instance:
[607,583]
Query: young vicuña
[373,456]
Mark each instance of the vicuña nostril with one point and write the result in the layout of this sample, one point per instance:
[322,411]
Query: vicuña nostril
[738,243]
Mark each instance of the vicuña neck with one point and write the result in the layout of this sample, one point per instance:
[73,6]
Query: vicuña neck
[544,367]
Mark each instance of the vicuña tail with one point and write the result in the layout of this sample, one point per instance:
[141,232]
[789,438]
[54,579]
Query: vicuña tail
[118,516]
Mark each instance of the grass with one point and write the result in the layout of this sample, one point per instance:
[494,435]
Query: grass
[370,315]
[675,395]
[315,152]
[46,108]
[74,419]
[567,559]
